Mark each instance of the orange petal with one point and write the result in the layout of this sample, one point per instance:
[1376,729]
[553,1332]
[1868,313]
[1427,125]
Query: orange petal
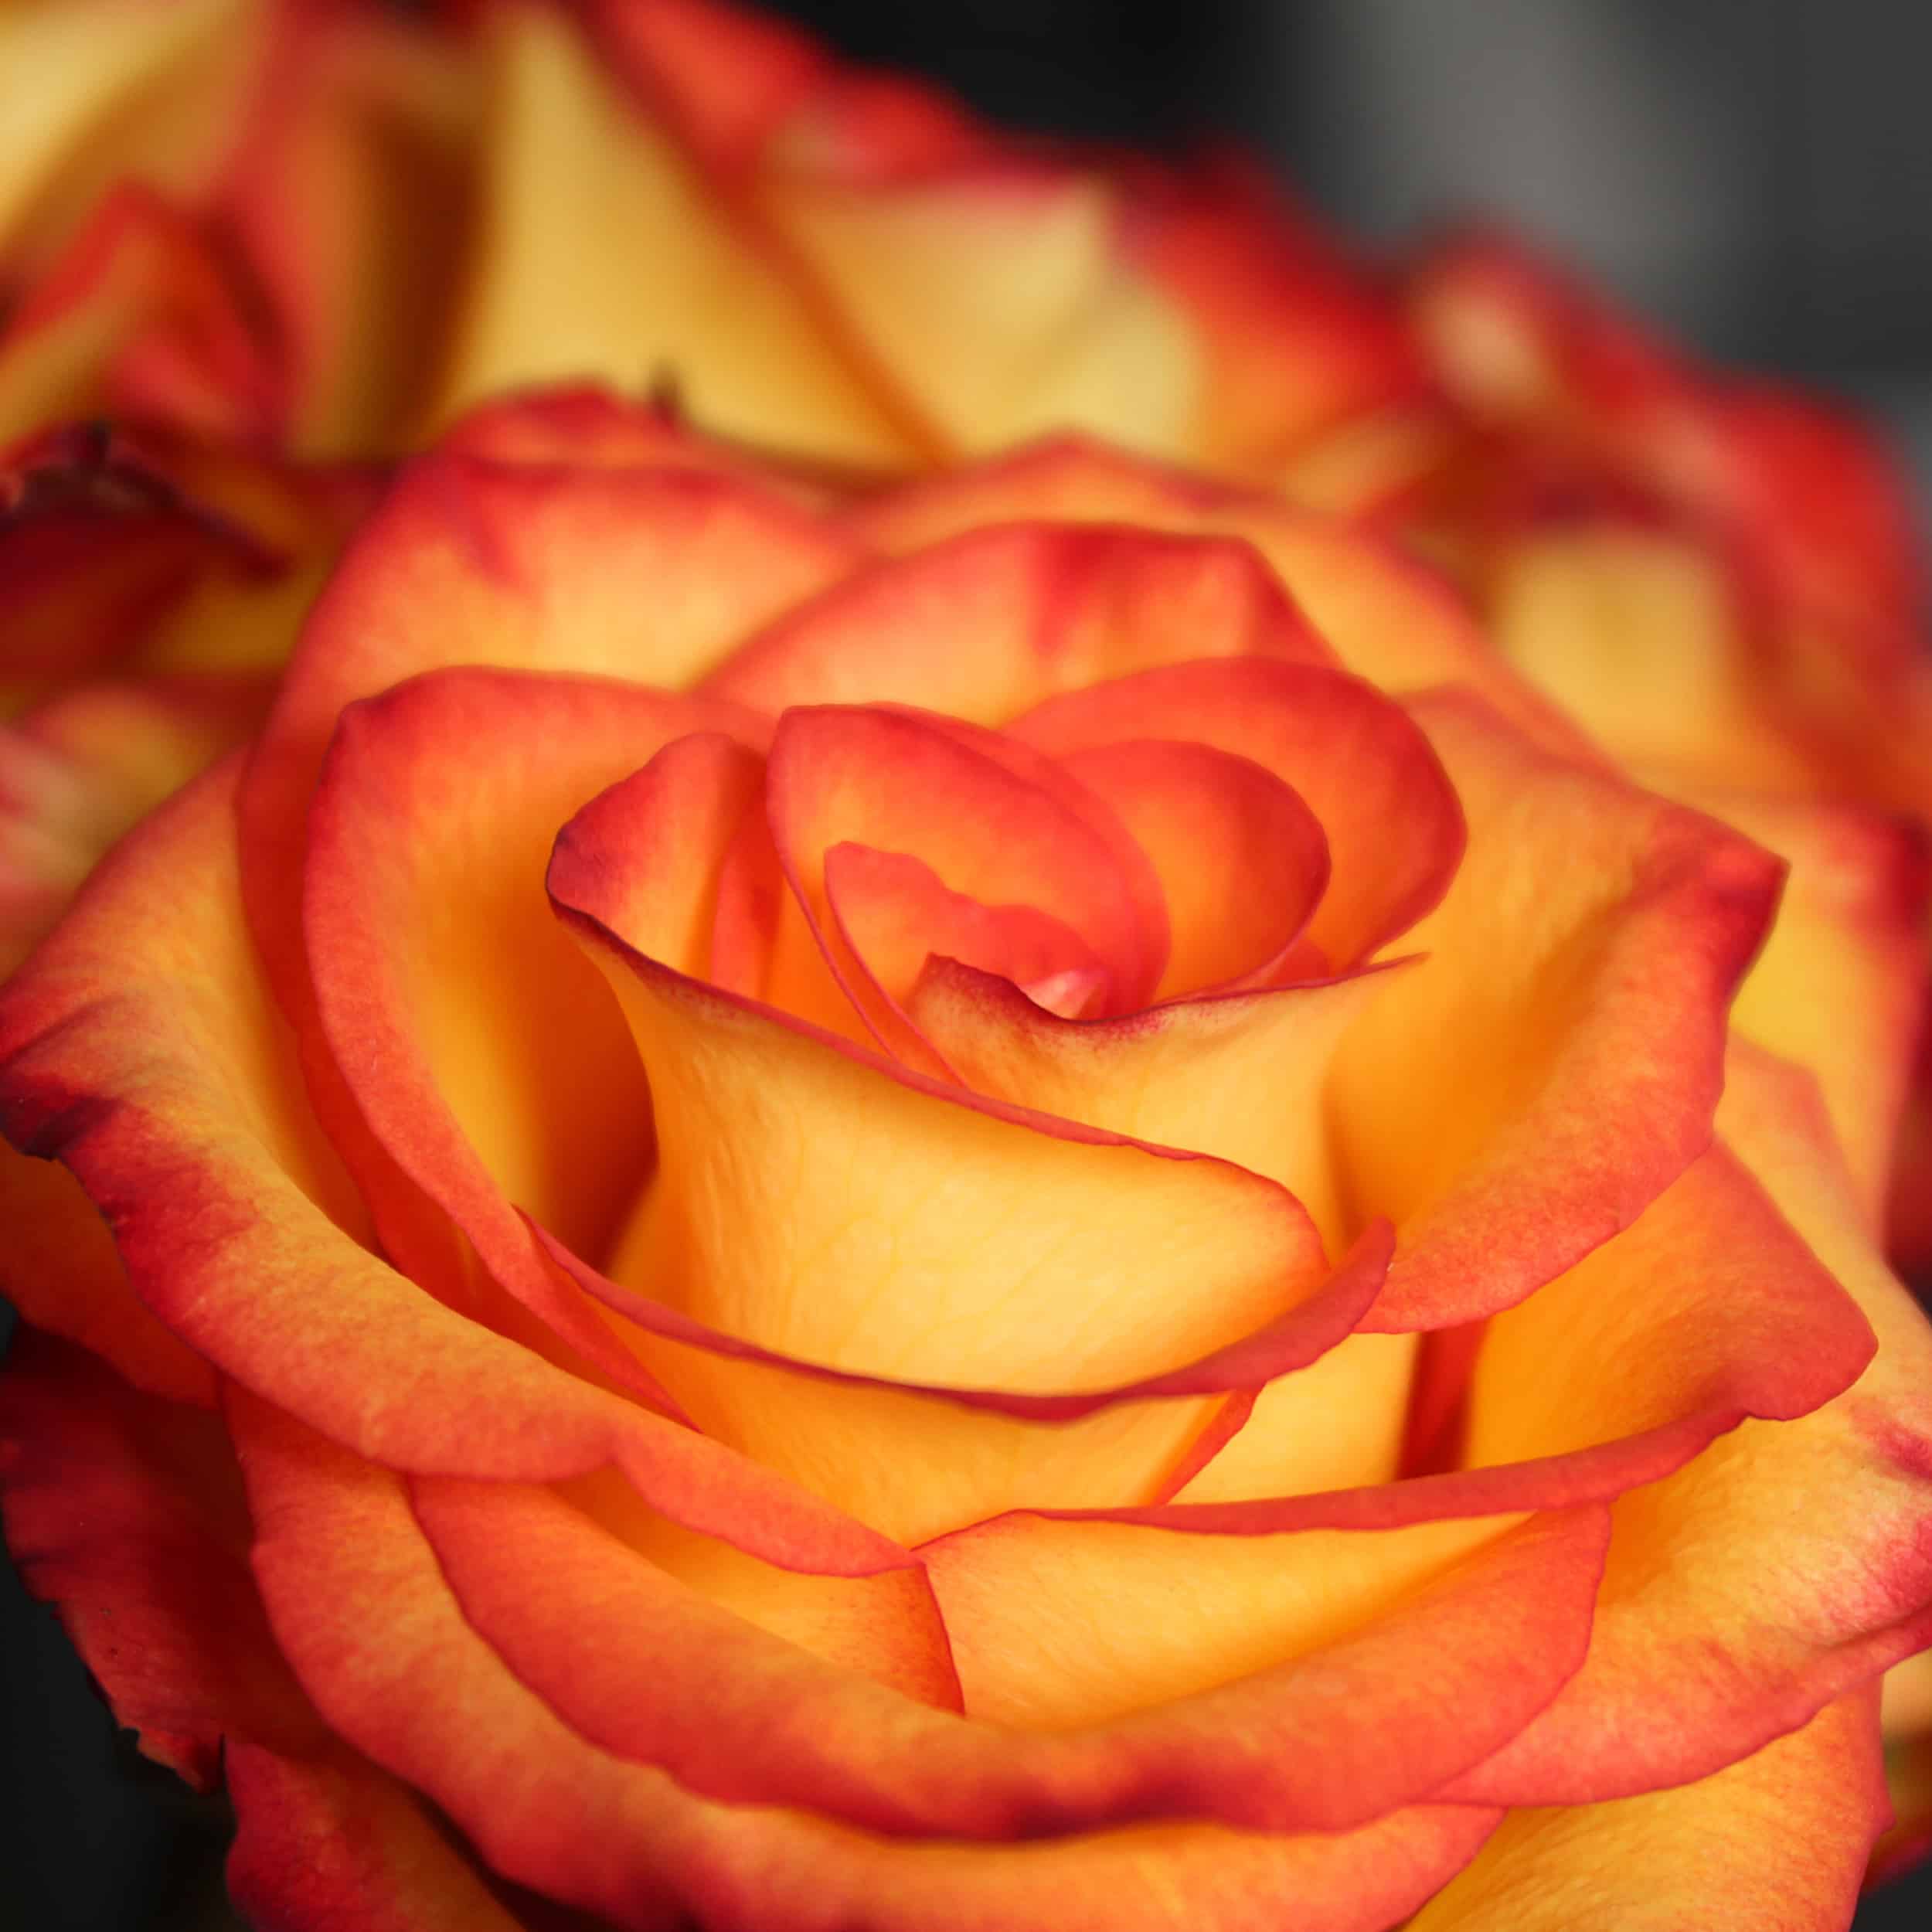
[1387,617]
[485,1054]
[349,189]
[1778,1841]
[992,1283]
[1786,1601]
[140,316]
[551,1810]
[1067,332]
[600,251]
[1299,337]
[1552,1066]
[895,781]
[1393,827]
[1242,860]
[643,1668]
[1841,986]
[329,1840]
[124,1511]
[140,1047]
[78,770]
[1005,618]
[122,92]
[1240,1076]
[646,575]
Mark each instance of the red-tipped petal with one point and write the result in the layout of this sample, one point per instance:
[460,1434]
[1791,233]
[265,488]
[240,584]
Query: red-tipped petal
[993,621]
[1553,1067]
[1394,829]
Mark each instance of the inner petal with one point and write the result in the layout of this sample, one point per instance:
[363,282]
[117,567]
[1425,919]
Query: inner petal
[896,913]
[985,831]
[1242,861]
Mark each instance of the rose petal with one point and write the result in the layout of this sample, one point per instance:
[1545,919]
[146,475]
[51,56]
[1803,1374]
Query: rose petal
[892,780]
[1242,860]
[600,252]
[125,1512]
[329,1841]
[121,93]
[1778,1840]
[486,1057]
[141,1049]
[1067,332]
[1386,616]
[1841,986]
[1740,1598]
[1077,1236]
[1540,1080]
[645,575]
[1394,829]
[1005,617]
[627,1655]
[549,1808]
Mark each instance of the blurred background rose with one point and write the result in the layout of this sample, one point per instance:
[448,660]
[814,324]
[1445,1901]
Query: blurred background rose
[1753,175]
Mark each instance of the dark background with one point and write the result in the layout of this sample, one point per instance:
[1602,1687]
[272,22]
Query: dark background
[1755,174]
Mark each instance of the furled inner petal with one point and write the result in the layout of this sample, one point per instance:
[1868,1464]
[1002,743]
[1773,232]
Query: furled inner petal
[1242,860]
[897,783]
[893,912]
[1394,828]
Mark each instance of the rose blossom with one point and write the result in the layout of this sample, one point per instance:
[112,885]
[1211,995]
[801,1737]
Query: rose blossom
[998,1209]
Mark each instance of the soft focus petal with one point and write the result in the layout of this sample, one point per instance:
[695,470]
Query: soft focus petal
[1841,986]
[329,1841]
[122,90]
[600,252]
[125,1512]
[79,770]
[1066,333]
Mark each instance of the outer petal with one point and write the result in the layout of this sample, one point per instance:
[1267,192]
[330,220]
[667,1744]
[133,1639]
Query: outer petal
[630,1658]
[644,574]
[79,770]
[486,1057]
[1778,1841]
[140,316]
[329,1841]
[1006,617]
[601,252]
[549,1809]
[121,92]
[350,191]
[140,1048]
[1841,986]
[1066,332]
[125,1512]
[1567,1062]
[1740,1595]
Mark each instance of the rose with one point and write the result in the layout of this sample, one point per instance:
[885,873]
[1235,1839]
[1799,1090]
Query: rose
[1718,578]
[153,586]
[544,190]
[1046,1358]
